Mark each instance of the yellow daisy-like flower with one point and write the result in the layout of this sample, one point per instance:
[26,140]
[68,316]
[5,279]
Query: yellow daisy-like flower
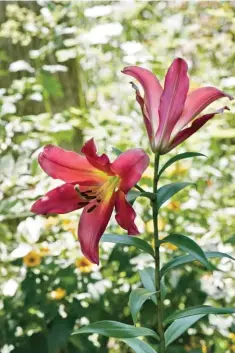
[32,259]
[174,205]
[84,265]
[58,294]
[44,251]
[50,222]
[70,226]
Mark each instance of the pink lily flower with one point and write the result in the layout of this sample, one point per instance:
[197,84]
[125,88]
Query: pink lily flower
[94,183]
[168,111]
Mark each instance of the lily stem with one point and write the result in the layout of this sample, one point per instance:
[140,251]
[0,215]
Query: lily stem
[139,188]
[160,328]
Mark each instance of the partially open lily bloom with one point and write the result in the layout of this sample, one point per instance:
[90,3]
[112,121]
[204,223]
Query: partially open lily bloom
[94,183]
[169,111]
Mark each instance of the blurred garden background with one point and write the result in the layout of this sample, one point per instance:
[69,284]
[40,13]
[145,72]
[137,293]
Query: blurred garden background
[61,83]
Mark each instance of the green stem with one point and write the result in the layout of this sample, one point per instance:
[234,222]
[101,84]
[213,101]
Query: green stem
[160,327]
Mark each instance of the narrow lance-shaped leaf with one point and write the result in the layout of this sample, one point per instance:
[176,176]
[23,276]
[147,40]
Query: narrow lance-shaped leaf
[137,299]
[190,246]
[132,196]
[147,276]
[138,346]
[116,329]
[178,327]
[178,158]
[169,190]
[198,310]
[182,260]
[129,241]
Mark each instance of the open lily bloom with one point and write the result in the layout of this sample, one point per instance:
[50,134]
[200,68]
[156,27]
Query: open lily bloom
[92,182]
[169,111]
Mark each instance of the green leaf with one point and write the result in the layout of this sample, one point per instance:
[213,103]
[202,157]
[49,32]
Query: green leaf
[182,260]
[178,158]
[178,327]
[147,276]
[137,299]
[231,240]
[132,196]
[198,310]
[138,346]
[190,246]
[116,151]
[116,329]
[129,241]
[169,190]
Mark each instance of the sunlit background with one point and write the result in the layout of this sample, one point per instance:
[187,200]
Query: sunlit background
[61,83]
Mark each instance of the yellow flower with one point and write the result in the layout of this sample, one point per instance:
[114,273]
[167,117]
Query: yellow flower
[44,251]
[161,225]
[58,294]
[32,259]
[50,222]
[232,337]
[70,226]
[233,348]
[168,245]
[84,265]
[174,205]
[204,349]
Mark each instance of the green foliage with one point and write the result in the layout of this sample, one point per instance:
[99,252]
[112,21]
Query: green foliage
[116,329]
[137,299]
[60,83]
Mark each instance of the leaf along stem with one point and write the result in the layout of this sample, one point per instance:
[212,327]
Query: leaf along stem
[160,328]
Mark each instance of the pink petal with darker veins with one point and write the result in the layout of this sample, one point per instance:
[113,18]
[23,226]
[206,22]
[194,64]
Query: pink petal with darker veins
[62,199]
[129,166]
[125,214]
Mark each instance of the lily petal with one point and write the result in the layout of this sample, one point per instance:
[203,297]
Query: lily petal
[152,91]
[147,120]
[62,199]
[100,162]
[125,214]
[92,226]
[69,166]
[196,125]
[196,102]
[172,100]
[130,166]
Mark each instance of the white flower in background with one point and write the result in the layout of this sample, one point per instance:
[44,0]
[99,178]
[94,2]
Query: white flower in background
[21,250]
[101,34]
[31,228]
[98,11]
[37,96]
[20,65]
[9,288]
[55,68]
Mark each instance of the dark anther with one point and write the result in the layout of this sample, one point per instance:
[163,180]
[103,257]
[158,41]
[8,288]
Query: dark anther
[91,209]
[84,194]
[90,197]
[82,203]
[88,191]
[98,200]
